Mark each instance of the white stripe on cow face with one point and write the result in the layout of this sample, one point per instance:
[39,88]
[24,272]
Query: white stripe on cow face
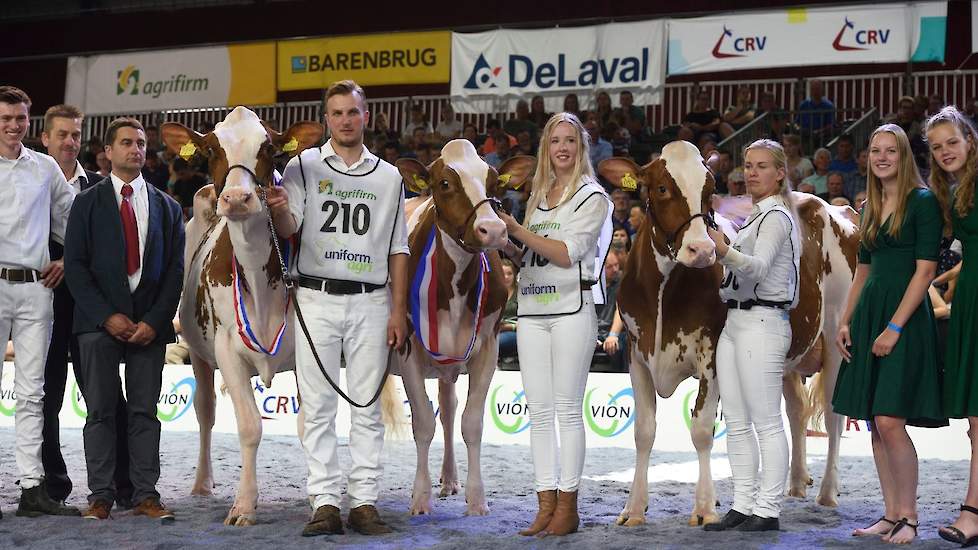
[473,172]
[685,165]
[241,135]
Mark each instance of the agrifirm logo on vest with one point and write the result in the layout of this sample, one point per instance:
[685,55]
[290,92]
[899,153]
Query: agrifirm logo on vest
[542,294]
[733,45]
[523,72]
[612,417]
[853,37]
[129,83]
[509,410]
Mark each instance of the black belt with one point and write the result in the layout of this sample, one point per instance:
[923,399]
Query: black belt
[336,286]
[20,275]
[734,304]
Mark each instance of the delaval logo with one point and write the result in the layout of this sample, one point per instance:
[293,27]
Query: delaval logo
[524,72]
[864,38]
[179,400]
[612,417]
[502,409]
[742,45]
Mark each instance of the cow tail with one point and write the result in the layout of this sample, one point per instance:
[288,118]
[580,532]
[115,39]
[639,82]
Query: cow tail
[392,411]
[817,404]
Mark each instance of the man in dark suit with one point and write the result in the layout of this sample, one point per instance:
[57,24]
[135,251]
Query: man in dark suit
[62,138]
[124,266]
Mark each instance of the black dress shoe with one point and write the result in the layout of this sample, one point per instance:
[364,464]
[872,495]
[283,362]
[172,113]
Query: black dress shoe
[757,523]
[729,521]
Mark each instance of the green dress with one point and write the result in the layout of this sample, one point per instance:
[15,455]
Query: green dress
[961,365]
[907,382]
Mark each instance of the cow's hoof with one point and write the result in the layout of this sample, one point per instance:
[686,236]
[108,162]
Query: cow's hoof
[477,510]
[202,489]
[449,489]
[828,499]
[699,520]
[798,492]
[421,507]
[241,520]
[629,520]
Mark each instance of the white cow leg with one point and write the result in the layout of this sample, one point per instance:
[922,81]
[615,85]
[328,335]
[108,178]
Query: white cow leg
[796,405]
[238,382]
[828,494]
[481,369]
[702,431]
[423,426]
[204,406]
[447,404]
[638,497]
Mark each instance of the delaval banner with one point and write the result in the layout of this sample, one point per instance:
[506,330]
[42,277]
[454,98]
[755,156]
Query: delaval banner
[514,64]
[884,33]
[172,79]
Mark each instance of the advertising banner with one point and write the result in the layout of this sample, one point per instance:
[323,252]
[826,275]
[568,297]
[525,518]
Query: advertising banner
[402,58]
[172,79]
[513,64]
[884,33]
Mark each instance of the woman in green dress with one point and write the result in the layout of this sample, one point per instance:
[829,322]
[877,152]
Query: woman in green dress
[954,161]
[890,374]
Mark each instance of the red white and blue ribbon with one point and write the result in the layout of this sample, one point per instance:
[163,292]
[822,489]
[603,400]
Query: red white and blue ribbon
[424,303]
[245,330]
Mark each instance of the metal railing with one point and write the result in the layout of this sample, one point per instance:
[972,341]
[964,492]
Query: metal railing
[859,130]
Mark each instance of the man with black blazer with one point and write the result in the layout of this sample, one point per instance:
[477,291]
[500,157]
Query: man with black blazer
[124,265]
[62,138]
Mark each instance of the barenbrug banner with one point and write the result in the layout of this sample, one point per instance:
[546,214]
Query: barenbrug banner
[506,65]
[376,59]
[884,33]
[172,79]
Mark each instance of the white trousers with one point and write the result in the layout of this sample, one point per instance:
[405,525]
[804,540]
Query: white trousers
[26,316]
[555,354]
[750,365]
[355,324]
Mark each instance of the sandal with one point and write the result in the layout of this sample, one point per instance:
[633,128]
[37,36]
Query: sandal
[958,536]
[882,519]
[904,522]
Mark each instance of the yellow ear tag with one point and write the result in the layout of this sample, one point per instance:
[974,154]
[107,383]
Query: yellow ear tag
[628,182]
[291,146]
[504,178]
[420,182]
[188,150]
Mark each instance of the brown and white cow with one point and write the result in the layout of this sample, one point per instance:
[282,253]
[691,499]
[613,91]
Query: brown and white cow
[669,300]
[230,226]
[465,225]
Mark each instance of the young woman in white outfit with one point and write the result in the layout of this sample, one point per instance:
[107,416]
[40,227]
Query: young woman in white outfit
[566,234]
[760,286]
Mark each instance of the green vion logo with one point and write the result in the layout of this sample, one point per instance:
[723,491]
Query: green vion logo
[612,417]
[78,401]
[129,83]
[174,403]
[8,399]
[509,415]
[719,430]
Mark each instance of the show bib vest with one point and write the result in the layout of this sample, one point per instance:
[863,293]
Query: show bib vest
[349,220]
[733,288]
[546,289]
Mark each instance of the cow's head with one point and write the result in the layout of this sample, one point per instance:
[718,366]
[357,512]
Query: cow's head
[680,188]
[239,155]
[464,190]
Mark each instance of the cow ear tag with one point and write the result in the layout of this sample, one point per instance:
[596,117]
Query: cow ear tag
[291,146]
[188,150]
[504,178]
[420,182]
[628,182]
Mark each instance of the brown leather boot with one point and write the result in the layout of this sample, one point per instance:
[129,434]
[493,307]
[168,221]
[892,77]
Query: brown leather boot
[565,519]
[547,501]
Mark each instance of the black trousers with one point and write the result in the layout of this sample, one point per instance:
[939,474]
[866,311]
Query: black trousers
[100,358]
[55,377]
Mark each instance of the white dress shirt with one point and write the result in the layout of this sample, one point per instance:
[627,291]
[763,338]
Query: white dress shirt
[34,203]
[139,201]
[75,180]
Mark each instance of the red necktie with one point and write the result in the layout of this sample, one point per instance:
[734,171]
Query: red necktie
[129,230]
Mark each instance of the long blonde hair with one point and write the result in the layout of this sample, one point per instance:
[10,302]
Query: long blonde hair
[964,193]
[544,177]
[908,179]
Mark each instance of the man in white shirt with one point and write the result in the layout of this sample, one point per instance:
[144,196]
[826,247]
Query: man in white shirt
[34,203]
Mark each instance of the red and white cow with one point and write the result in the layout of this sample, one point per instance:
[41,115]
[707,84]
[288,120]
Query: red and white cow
[230,260]
[670,303]
[454,235]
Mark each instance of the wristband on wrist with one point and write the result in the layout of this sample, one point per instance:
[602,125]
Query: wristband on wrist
[894,327]
[612,333]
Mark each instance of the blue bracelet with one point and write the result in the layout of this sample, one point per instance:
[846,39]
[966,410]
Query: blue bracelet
[894,327]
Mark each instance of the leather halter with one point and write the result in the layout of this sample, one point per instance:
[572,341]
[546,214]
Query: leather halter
[459,235]
[672,235]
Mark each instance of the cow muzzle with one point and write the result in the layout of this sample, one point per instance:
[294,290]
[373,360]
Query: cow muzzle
[236,203]
[697,253]
[490,232]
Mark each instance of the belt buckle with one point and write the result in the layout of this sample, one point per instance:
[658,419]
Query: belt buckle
[16,275]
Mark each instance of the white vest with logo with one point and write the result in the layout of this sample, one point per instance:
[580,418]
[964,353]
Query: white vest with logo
[349,220]
[546,289]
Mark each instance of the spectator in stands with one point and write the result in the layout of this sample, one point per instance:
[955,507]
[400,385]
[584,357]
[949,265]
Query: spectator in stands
[724,166]
[423,152]
[685,133]
[859,199]
[622,204]
[703,118]
[844,161]
[392,152]
[449,127]
[502,153]
[607,312]
[538,111]
[934,104]
[184,184]
[418,120]
[636,215]
[525,144]
[600,148]
[572,105]
[382,128]
[739,114]
[971,110]
[153,138]
[707,145]
[816,114]
[856,181]
[602,107]
[766,104]
[103,163]
[799,167]
[522,121]
[920,104]
[619,138]
[620,240]
[628,111]
[835,187]
[471,133]
[155,171]
[806,187]
[819,180]
[736,183]
[840,201]
[495,134]
[507,327]
[777,124]
[906,118]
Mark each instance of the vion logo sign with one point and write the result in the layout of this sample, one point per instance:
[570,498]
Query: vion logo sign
[566,71]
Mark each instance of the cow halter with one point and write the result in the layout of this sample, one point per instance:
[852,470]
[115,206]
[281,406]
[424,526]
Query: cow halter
[672,235]
[459,235]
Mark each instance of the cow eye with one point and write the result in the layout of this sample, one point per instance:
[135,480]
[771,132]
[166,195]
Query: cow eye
[662,189]
[444,184]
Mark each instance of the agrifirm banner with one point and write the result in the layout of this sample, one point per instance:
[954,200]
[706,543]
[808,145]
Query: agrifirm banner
[172,79]
[884,33]
[402,58]
[513,64]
